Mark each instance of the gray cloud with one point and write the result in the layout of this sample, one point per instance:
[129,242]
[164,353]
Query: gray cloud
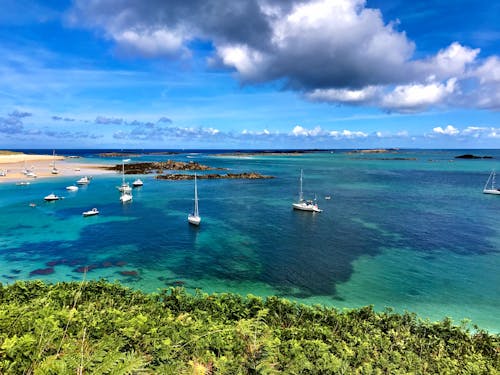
[332,51]
[59,118]
[165,120]
[108,120]
[20,114]
[11,125]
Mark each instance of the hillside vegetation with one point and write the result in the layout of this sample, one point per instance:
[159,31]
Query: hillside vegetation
[102,328]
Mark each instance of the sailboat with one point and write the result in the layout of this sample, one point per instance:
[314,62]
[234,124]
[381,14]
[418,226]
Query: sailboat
[126,197]
[492,189]
[54,169]
[124,187]
[194,218]
[305,205]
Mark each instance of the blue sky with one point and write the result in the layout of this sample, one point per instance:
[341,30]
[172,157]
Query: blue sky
[249,74]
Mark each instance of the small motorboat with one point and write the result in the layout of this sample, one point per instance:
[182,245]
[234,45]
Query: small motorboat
[22,183]
[328,197]
[91,212]
[83,181]
[137,183]
[72,188]
[52,197]
[32,205]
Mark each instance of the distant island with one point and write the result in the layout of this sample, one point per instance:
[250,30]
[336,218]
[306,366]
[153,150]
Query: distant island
[245,175]
[374,151]
[470,156]
[133,154]
[270,153]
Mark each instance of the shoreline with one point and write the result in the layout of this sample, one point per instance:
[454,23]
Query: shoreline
[14,164]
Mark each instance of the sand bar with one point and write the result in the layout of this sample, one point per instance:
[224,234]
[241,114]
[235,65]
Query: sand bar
[12,165]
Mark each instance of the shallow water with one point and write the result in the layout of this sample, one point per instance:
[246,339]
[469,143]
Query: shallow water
[415,235]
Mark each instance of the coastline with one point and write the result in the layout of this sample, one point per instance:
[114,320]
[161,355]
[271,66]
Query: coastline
[41,165]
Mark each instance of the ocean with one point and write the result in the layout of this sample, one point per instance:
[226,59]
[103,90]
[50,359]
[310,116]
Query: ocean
[409,230]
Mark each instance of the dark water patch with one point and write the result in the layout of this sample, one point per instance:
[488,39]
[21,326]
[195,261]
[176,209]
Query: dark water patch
[42,271]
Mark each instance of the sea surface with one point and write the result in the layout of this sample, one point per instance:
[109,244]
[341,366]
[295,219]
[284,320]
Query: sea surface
[410,230]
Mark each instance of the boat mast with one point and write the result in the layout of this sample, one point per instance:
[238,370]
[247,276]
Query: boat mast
[195,197]
[123,172]
[301,195]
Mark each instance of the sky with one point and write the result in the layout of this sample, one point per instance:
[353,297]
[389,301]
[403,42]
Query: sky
[254,74]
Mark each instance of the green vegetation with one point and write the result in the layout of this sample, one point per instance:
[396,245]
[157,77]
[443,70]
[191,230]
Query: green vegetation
[102,328]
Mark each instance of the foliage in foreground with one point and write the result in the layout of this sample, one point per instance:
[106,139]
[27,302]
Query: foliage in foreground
[102,328]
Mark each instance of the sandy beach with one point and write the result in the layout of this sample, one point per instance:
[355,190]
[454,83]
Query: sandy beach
[12,165]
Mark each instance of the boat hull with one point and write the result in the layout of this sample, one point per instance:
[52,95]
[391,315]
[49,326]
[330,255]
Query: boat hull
[195,220]
[90,213]
[126,198]
[491,191]
[306,207]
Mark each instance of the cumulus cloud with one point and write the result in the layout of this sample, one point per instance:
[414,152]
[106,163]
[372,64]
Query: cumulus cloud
[337,51]
[415,97]
[449,130]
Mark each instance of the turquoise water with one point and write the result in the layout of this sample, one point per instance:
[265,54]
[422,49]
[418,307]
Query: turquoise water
[415,235]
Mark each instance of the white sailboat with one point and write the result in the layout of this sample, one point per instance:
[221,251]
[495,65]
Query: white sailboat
[194,218]
[54,169]
[305,205]
[83,181]
[491,189]
[126,197]
[124,187]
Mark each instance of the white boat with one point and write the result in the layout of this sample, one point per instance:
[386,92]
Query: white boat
[72,188]
[194,218]
[31,174]
[305,205]
[328,197]
[54,169]
[51,197]
[83,181]
[491,189]
[137,183]
[22,183]
[91,212]
[124,187]
[3,173]
[126,197]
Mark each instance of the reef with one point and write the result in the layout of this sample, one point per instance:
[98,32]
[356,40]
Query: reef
[42,271]
[246,175]
[160,166]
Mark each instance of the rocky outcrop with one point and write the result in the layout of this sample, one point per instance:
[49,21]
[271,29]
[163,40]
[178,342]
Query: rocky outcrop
[178,177]
[160,166]
[470,156]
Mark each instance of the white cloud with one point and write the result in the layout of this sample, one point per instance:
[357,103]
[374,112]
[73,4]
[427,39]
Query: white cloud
[150,42]
[344,95]
[449,62]
[349,134]
[489,71]
[449,130]
[418,96]
[300,131]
